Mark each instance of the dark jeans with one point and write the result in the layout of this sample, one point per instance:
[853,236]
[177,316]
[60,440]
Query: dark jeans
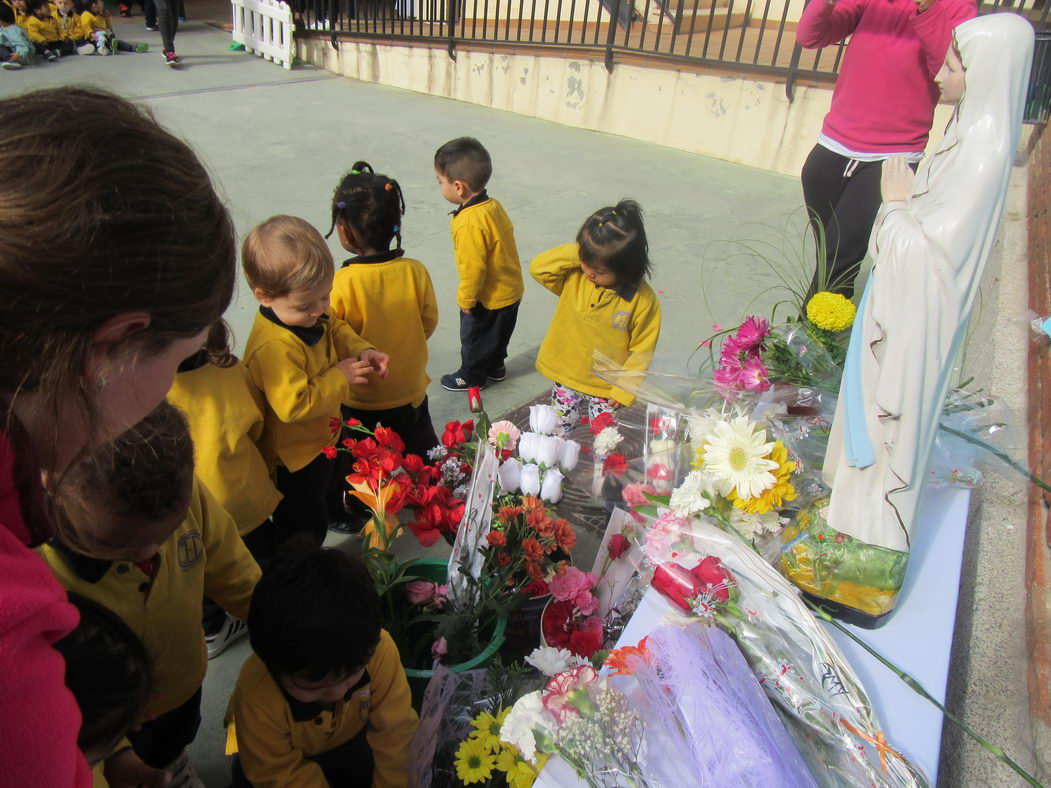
[304,509]
[262,544]
[5,53]
[161,740]
[413,425]
[484,335]
[167,21]
[63,48]
[348,766]
[842,197]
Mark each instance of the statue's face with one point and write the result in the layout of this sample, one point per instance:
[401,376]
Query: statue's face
[950,77]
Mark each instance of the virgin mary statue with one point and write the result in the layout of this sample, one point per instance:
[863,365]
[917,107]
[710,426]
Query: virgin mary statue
[930,249]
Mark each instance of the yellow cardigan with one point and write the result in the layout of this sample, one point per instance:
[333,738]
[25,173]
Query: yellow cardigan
[389,300]
[486,255]
[274,733]
[623,323]
[203,556]
[301,384]
[226,415]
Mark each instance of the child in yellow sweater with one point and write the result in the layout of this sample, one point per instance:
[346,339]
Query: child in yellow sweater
[303,361]
[97,27]
[139,534]
[48,33]
[226,415]
[603,305]
[487,261]
[324,699]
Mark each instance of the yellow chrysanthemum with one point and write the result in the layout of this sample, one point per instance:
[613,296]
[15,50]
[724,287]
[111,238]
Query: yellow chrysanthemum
[521,776]
[774,496]
[831,311]
[507,758]
[474,763]
[487,728]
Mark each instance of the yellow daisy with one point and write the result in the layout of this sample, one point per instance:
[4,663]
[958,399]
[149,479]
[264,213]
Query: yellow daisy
[487,728]
[521,776]
[474,763]
[780,491]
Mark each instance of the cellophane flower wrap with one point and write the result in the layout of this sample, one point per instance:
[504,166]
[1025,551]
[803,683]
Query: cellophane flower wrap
[713,575]
[705,714]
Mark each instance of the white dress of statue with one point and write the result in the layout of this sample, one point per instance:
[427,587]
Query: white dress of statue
[930,250]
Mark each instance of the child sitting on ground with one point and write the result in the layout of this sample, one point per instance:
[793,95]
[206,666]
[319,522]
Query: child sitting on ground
[16,50]
[302,361]
[604,305]
[46,33]
[21,10]
[324,699]
[487,261]
[97,27]
[69,24]
[107,670]
[138,533]
[225,413]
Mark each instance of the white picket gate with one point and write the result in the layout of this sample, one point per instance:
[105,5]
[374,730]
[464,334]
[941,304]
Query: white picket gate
[265,28]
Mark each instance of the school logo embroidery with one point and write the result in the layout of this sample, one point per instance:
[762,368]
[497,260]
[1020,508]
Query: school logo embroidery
[620,320]
[190,550]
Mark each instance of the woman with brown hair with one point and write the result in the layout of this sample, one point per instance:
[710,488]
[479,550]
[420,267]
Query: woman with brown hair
[98,311]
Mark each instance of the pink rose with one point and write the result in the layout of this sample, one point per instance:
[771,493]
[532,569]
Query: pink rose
[439,648]
[420,592]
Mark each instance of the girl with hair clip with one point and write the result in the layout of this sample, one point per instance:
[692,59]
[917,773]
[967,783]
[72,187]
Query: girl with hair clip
[99,310]
[226,414]
[389,300]
[603,305]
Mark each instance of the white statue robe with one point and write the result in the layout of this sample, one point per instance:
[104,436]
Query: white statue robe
[930,252]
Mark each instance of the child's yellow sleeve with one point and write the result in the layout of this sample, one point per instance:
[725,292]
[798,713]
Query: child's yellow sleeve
[428,306]
[645,331]
[35,30]
[278,371]
[471,248]
[230,572]
[551,268]
[392,721]
[264,745]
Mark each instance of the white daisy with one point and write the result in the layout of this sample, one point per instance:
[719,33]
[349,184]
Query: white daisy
[735,456]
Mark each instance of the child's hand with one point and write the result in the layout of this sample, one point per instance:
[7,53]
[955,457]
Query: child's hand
[896,180]
[378,360]
[355,370]
[465,311]
[614,404]
[125,769]
[15,57]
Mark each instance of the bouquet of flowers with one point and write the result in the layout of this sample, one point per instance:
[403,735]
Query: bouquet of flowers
[572,620]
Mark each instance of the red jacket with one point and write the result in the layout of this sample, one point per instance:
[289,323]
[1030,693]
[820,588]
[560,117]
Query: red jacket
[40,718]
[885,94]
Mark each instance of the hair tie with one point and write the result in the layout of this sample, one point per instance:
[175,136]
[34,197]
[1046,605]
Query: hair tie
[341,205]
[397,229]
[613,211]
[388,186]
[355,172]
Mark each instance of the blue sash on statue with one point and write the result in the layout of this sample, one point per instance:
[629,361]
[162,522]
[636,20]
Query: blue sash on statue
[856,440]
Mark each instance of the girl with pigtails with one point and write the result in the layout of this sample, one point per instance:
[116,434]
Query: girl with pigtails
[388,297]
[604,305]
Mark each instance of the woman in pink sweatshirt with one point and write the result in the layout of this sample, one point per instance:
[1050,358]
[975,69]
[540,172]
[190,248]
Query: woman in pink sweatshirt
[99,308]
[883,105]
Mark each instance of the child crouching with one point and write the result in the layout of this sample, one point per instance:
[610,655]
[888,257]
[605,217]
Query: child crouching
[324,699]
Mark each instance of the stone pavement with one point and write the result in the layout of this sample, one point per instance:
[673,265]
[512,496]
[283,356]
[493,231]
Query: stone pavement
[277,141]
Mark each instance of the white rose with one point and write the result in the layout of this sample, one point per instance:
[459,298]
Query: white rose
[542,419]
[529,479]
[568,455]
[510,474]
[529,445]
[550,447]
[552,488]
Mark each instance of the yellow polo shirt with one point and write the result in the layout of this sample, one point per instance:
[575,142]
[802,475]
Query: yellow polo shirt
[486,255]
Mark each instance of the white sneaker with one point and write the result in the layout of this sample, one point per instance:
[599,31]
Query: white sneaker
[232,629]
[10,65]
[86,49]
[183,774]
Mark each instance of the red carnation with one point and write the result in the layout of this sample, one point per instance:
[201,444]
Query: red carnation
[496,538]
[615,464]
[600,422]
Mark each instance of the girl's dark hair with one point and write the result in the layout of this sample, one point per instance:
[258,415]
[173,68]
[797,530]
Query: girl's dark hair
[140,231]
[616,237]
[35,4]
[372,204]
[146,472]
[7,14]
[314,614]
[107,670]
[217,345]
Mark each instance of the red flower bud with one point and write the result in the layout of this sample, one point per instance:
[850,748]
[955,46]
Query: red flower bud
[617,546]
[474,399]
[330,452]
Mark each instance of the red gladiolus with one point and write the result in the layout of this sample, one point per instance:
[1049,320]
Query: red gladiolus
[330,452]
[453,434]
[413,464]
[348,443]
[600,422]
[474,399]
[353,423]
[424,533]
[617,546]
[390,439]
[615,464]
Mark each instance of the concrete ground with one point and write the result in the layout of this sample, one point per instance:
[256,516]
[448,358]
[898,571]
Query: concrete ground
[277,141]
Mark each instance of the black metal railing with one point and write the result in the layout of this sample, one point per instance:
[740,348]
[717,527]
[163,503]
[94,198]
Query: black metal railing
[741,35]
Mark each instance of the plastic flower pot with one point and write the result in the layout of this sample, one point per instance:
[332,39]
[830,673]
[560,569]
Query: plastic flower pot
[523,632]
[436,570]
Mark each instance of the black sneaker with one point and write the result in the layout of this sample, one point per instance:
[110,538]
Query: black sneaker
[151,28]
[232,630]
[456,382]
[497,374]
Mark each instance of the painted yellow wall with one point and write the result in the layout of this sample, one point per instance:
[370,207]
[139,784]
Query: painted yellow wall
[741,119]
